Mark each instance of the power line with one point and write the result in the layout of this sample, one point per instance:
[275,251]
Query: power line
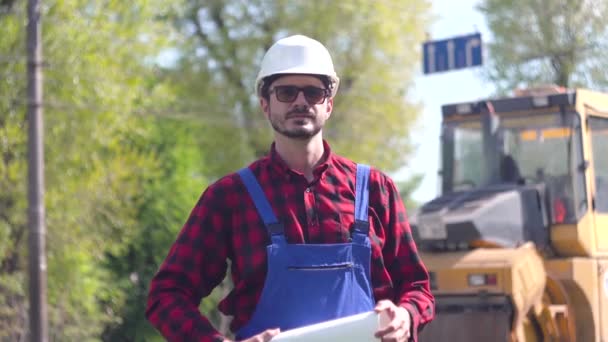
[192,113]
[6,11]
[12,58]
[66,67]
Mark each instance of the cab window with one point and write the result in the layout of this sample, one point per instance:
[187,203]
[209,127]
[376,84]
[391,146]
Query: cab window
[599,137]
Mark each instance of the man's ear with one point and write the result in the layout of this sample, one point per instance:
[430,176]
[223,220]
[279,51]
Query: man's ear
[264,105]
[330,106]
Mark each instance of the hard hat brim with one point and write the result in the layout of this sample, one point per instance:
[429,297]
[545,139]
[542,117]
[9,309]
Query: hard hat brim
[335,80]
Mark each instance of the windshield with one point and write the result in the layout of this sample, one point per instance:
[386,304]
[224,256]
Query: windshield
[522,149]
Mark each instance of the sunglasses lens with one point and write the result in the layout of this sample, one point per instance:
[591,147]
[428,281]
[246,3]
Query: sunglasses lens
[287,93]
[312,94]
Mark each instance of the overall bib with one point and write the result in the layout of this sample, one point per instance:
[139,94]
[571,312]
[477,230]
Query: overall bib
[311,283]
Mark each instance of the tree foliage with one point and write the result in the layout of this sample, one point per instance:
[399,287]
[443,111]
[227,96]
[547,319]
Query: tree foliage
[96,76]
[407,188]
[536,42]
[374,46]
[165,203]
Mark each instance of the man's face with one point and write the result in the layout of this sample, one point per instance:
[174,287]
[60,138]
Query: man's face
[297,118]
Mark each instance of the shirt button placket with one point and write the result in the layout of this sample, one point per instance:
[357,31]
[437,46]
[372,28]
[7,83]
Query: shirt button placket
[309,201]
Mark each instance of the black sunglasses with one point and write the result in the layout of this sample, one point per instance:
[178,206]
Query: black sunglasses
[288,93]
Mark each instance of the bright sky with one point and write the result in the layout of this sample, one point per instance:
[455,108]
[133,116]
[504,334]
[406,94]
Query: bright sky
[452,18]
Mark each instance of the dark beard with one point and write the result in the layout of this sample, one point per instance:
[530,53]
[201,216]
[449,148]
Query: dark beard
[300,134]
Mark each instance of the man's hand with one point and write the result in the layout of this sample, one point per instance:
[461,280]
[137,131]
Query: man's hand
[264,336]
[397,329]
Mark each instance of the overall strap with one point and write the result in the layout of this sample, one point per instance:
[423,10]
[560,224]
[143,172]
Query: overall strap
[261,202]
[362,199]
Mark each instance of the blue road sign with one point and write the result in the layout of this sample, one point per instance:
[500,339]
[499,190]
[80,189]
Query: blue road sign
[454,53]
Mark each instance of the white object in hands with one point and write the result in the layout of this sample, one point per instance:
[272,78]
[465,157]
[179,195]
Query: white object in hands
[356,328]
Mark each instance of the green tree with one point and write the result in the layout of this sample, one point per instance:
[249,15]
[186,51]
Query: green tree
[374,49]
[407,188]
[165,204]
[98,62]
[559,42]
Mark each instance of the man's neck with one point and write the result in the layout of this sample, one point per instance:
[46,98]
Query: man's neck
[300,155]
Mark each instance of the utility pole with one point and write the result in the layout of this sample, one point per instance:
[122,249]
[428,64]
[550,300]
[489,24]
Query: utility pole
[36,213]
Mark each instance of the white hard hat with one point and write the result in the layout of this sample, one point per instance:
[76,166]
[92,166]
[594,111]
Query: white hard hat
[297,55]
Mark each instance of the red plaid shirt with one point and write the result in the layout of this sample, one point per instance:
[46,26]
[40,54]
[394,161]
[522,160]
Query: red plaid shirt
[224,225]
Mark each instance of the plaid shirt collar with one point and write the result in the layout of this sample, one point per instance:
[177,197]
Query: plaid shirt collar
[280,168]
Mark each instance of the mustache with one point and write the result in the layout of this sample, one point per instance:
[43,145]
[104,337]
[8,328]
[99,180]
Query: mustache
[299,112]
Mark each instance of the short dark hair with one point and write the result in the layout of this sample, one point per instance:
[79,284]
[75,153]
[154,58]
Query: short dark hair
[267,81]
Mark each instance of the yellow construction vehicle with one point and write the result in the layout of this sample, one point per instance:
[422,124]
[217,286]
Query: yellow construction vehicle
[517,242]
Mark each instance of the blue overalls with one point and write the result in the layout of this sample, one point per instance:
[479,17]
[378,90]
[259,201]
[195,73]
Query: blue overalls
[311,283]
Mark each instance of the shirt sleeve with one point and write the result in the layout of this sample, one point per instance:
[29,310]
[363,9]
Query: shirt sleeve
[195,265]
[408,273]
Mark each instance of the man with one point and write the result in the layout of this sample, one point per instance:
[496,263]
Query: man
[311,236]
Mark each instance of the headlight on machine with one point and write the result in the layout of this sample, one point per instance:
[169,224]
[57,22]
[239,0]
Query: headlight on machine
[482,279]
[431,226]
